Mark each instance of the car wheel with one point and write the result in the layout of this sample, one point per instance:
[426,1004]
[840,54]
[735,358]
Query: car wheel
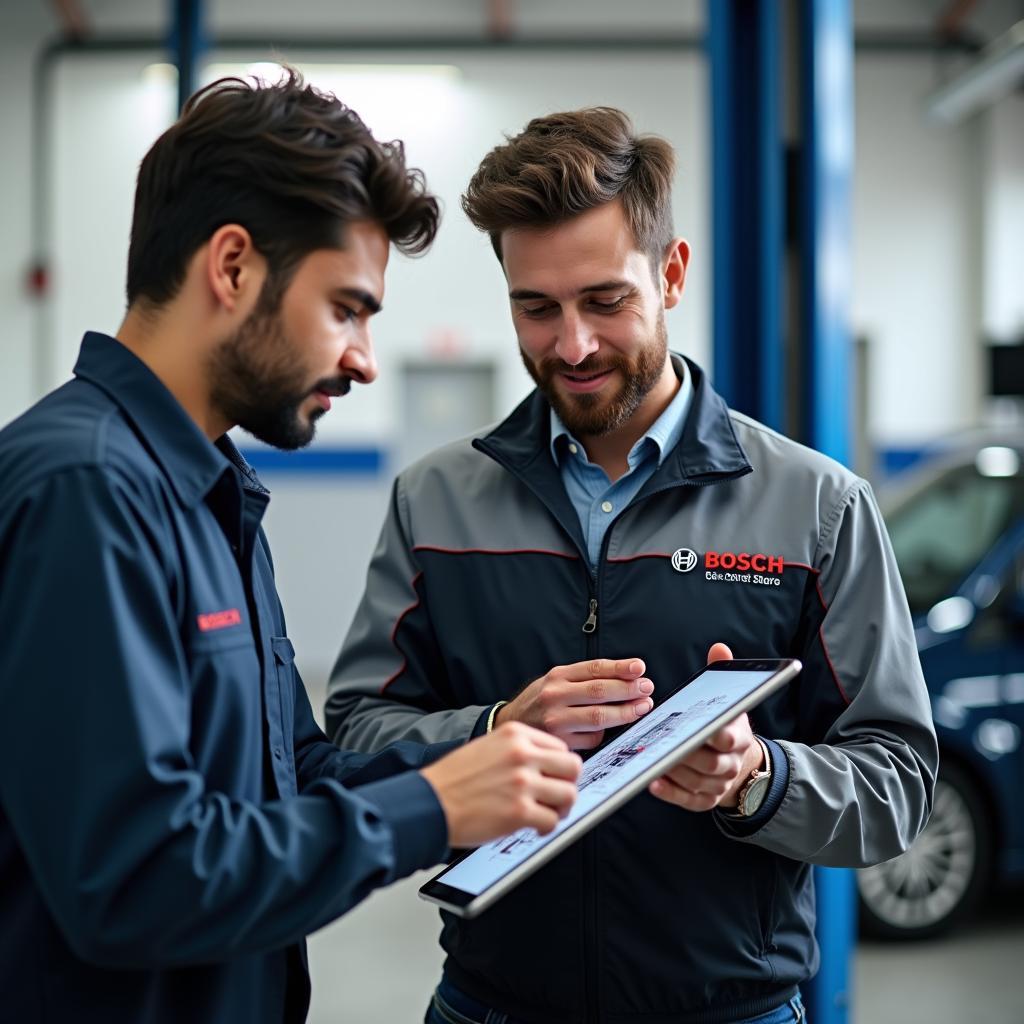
[940,879]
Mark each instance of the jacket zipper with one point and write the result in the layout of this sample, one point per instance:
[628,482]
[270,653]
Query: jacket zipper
[591,945]
[591,624]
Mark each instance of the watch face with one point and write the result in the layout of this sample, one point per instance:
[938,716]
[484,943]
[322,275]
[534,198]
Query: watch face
[755,794]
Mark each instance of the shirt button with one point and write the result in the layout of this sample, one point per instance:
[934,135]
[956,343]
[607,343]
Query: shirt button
[277,753]
[606,506]
[573,449]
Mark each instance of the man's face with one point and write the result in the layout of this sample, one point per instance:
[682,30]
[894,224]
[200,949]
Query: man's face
[590,317]
[276,376]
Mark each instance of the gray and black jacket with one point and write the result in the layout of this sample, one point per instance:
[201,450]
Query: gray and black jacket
[480,583]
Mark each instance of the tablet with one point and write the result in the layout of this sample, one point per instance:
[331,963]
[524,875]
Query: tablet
[624,766]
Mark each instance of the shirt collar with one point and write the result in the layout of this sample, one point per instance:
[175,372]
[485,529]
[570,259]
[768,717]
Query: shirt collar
[190,462]
[665,433]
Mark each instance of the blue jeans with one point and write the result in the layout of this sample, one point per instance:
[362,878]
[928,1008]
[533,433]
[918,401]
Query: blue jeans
[450,1006]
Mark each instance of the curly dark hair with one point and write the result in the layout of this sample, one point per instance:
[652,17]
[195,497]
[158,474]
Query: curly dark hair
[564,164]
[289,163]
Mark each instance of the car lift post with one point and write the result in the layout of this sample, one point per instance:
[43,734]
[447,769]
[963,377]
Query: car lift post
[782,339]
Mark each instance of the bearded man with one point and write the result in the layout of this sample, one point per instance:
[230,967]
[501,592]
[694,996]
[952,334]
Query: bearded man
[620,525]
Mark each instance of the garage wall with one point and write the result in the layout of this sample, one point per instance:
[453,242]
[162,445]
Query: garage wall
[934,206]
[22,28]
[453,297]
[917,254]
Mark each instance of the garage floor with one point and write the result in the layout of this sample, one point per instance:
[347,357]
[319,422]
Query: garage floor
[975,975]
[380,963]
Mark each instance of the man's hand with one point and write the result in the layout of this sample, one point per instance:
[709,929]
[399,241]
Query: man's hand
[712,775]
[512,778]
[578,702]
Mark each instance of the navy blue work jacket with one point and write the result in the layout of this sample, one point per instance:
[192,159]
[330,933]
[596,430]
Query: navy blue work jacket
[172,820]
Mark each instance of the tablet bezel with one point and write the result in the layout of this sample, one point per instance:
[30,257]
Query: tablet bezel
[467,904]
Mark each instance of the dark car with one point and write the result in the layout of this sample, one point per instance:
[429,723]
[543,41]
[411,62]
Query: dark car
[957,529]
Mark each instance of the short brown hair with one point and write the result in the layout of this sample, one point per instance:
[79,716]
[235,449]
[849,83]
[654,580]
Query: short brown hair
[565,164]
[292,165]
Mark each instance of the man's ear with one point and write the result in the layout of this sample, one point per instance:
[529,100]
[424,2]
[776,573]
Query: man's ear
[234,270]
[673,271]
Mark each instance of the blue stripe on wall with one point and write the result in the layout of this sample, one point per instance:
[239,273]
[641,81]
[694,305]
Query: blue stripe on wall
[895,460]
[318,461]
[373,461]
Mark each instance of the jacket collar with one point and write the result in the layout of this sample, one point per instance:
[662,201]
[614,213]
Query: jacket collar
[708,449]
[190,462]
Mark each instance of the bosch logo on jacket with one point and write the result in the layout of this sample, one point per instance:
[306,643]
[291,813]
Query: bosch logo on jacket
[744,562]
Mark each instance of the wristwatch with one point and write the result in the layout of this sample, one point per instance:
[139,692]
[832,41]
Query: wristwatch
[755,789]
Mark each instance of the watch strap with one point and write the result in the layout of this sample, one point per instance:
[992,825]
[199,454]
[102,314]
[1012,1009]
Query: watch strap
[754,776]
[494,711]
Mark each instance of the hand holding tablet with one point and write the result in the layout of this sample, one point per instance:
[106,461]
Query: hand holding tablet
[629,762]
[712,774]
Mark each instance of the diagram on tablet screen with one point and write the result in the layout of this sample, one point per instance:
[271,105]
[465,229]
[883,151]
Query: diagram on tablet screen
[595,782]
[612,771]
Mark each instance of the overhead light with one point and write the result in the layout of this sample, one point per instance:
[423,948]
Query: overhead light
[160,74]
[419,103]
[996,72]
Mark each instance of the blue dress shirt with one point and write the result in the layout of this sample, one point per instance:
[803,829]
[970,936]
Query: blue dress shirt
[596,499]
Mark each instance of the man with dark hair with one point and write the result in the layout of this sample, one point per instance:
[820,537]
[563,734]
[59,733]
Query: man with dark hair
[616,525]
[172,820]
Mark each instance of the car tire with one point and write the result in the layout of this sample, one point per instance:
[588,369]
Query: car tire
[943,875]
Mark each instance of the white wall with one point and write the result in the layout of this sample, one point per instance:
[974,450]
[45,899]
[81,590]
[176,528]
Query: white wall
[933,205]
[938,219]
[22,27]
[916,254]
[457,291]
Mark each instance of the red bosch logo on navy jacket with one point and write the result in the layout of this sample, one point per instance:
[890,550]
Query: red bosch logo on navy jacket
[744,562]
[219,620]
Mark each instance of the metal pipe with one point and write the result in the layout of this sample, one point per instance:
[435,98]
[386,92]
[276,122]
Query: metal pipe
[896,43]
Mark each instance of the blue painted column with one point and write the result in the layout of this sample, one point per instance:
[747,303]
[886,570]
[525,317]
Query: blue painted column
[186,45]
[751,283]
[747,206]
[826,182]
[826,159]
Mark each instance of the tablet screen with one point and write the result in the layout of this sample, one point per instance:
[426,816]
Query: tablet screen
[626,758]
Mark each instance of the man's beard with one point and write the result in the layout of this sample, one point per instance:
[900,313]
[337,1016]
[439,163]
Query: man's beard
[593,413]
[257,380]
